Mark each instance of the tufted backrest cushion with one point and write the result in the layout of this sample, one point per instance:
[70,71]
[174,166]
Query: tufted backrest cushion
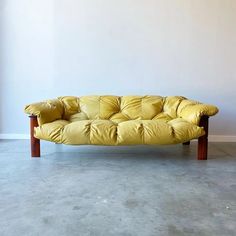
[119,108]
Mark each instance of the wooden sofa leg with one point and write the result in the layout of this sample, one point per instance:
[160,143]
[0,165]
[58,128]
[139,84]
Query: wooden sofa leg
[203,141]
[186,143]
[35,143]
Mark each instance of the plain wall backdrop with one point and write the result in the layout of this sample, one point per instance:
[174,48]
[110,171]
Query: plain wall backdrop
[50,48]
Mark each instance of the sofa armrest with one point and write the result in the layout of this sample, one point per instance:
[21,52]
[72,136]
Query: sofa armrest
[192,111]
[46,111]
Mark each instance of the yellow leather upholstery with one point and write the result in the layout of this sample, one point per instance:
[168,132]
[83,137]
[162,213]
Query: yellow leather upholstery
[47,111]
[113,120]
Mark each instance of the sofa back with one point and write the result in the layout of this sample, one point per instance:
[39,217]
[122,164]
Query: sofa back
[119,108]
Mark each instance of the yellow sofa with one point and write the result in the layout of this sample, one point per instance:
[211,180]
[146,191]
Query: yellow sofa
[115,120]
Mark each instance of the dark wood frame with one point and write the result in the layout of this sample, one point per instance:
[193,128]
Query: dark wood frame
[35,143]
[202,141]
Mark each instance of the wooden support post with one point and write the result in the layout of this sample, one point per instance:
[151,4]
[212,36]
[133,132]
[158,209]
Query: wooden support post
[35,143]
[203,141]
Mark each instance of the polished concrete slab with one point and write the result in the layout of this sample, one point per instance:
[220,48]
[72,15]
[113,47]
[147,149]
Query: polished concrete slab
[117,191]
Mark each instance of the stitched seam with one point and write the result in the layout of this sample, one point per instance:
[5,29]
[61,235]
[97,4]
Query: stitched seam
[61,131]
[178,106]
[142,130]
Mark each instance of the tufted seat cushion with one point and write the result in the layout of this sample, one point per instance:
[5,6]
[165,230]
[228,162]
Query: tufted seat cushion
[107,132]
[114,120]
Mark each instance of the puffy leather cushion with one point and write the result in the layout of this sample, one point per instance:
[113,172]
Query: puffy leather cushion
[192,111]
[71,106]
[171,105]
[157,132]
[162,116]
[109,105]
[47,111]
[106,132]
[105,107]
[78,116]
[51,131]
[137,107]
[97,132]
[119,117]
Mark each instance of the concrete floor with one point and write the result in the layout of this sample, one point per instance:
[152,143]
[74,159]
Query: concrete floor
[117,191]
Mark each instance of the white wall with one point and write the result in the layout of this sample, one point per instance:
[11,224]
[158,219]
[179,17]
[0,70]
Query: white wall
[50,48]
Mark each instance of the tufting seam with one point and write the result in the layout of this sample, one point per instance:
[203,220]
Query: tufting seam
[63,105]
[142,132]
[61,131]
[172,131]
[120,98]
[177,107]
[90,128]
[129,118]
[116,133]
